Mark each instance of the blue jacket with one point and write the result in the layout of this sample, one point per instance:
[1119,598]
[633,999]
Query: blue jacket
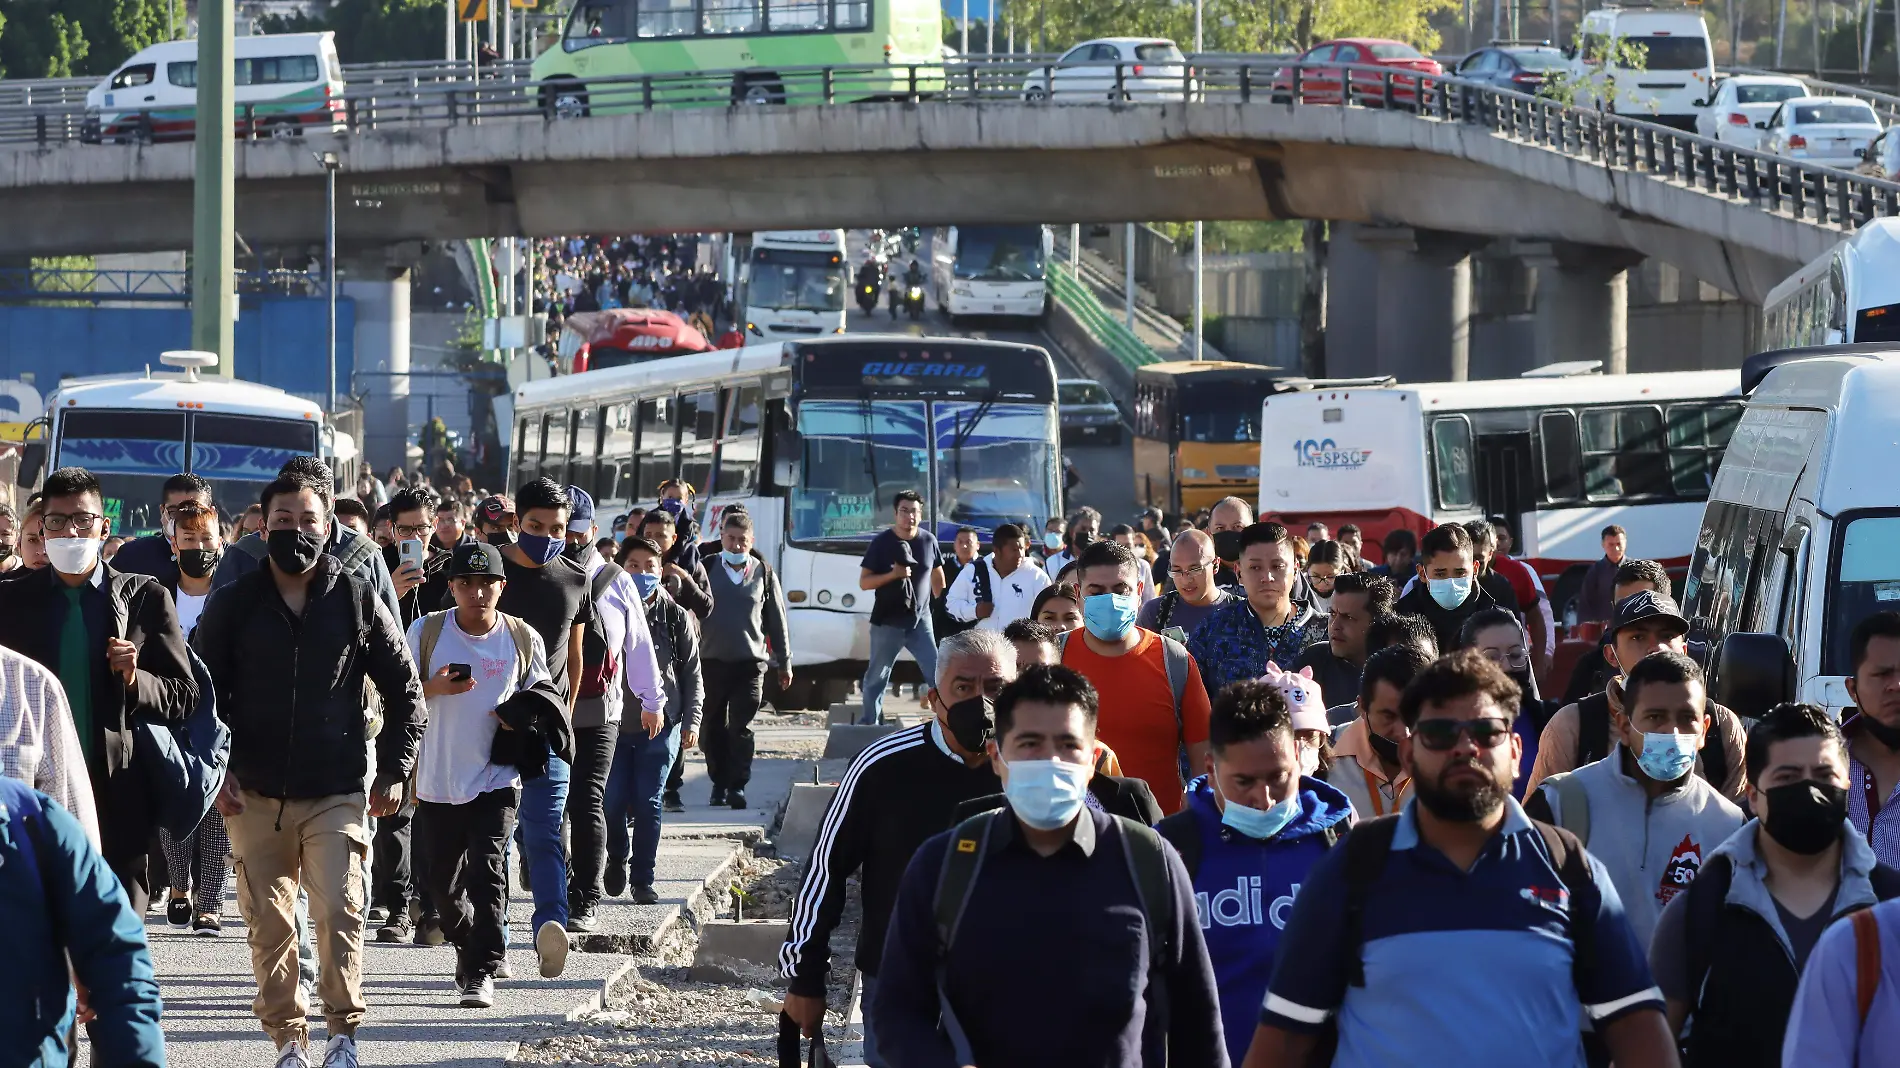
[88,917]
[1244,890]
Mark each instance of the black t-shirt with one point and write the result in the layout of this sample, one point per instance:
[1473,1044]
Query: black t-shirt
[1804,931]
[552,600]
[901,604]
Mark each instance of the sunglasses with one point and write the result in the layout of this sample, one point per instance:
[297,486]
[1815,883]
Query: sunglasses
[1441,734]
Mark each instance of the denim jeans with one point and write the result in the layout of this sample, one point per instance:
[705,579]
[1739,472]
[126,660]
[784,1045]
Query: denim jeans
[634,786]
[886,643]
[538,830]
[873,1057]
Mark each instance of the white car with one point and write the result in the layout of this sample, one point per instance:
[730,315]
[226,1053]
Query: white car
[1833,131]
[1741,102]
[1151,69]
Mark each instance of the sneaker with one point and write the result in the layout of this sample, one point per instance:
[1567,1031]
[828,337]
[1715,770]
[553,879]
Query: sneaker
[615,880]
[478,993]
[550,944]
[294,1055]
[583,918]
[428,933]
[207,925]
[670,802]
[376,916]
[504,970]
[644,894]
[178,912]
[396,930]
[718,796]
[736,798]
[340,1053]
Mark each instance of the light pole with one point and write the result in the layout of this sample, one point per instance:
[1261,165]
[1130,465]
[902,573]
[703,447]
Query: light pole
[1199,322]
[330,164]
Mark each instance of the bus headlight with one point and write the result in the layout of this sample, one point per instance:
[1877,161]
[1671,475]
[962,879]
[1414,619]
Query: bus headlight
[1035,294]
[848,599]
[960,291]
[824,596]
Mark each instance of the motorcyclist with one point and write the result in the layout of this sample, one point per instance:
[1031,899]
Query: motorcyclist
[914,274]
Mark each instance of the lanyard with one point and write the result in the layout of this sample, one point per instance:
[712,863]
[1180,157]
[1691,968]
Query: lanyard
[1377,797]
[1871,791]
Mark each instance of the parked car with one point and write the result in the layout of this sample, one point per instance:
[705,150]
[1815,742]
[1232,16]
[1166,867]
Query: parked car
[1743,101]
[1087,412]
[1833,131]
[1151,69]
[1882,159]
[1672,82]
[1512,65]
[1320,85]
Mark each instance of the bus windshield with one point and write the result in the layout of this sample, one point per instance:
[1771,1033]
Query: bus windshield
[239,454]
[1867,581]
[991,465]
[1216,412]
[796,280]
[999,253]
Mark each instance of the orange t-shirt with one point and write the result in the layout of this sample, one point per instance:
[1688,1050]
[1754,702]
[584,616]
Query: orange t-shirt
[1137,712]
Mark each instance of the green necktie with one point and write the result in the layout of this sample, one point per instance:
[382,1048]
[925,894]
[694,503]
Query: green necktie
[75,672]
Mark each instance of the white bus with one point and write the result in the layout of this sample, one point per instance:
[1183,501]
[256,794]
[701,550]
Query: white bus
[991,270]
[1849,294]
[1559,457]
[814,438]
[795,284]
[134,431]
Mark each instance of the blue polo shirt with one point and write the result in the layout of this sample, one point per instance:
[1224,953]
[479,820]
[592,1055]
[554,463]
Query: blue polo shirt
[1461,967]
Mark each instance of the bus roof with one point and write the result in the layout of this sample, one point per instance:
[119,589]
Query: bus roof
[568,388]
[1581,389]
[1195,367]
[172,390]
[1877,239]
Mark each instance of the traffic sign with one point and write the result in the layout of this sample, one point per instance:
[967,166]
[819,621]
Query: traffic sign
[472,10]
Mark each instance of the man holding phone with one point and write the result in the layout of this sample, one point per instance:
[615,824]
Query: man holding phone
[418,568]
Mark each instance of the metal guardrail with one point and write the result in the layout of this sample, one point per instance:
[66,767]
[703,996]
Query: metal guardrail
[1108,331]
[21,284]
[1804,191]
[52,92]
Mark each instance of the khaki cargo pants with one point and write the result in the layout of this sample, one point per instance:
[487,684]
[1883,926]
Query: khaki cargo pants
[322,842]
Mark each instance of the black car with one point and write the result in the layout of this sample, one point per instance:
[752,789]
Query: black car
[1518,66]
[1087,412]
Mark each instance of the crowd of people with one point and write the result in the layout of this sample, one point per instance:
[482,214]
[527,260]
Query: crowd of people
[661,271]
[1222,796]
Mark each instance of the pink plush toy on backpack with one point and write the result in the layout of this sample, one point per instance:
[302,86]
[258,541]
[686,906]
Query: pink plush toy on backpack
[1308,705]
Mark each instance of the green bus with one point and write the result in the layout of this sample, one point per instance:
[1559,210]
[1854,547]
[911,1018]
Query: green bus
[895,46]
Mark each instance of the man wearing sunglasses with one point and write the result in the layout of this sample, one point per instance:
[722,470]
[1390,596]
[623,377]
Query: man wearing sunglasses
[1459,932]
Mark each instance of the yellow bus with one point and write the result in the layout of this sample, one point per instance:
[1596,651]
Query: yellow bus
[1197,431]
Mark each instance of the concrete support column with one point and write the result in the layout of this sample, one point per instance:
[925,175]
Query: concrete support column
[381,293]
[1421,321]
[1582,306]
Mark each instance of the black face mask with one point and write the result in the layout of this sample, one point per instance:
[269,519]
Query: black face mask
[6,549]
[197,563]
[1386,748]
[1227,545]
[972,722]
[500,539]
[294,551]
[576,553]
[1079,541]
[1805,817]
[1878,731]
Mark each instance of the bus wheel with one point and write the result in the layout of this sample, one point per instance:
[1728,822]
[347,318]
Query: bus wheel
[758,90]
[564,100]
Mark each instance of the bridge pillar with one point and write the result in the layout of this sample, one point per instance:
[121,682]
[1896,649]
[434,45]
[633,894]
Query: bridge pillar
[1420,296]
[1582,304]
[381,292]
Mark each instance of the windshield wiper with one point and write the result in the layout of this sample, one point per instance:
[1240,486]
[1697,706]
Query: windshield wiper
[964,430]
[870,450]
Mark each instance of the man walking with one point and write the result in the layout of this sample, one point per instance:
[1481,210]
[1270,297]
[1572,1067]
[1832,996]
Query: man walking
[153,554]
[1191,568]
[1337,662]
[743,634]
[901,565]
[1236,642]
[290,647]
[1594,603]
[1447,591]
[357,552]
[114,642]
[996,590]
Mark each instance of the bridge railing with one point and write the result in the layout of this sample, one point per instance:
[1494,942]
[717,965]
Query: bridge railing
[1802,190]
[1108,331]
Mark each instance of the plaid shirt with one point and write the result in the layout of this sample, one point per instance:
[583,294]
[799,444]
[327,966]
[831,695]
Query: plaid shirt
[38,744]
[1232,644]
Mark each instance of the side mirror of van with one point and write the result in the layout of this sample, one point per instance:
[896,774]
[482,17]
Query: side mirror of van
[1753,673]
[32,458]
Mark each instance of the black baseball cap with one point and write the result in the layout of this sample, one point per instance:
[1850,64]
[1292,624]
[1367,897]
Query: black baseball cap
[1645,605]
[476,558]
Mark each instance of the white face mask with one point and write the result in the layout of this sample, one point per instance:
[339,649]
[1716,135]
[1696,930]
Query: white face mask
[1309,759]
[73,556]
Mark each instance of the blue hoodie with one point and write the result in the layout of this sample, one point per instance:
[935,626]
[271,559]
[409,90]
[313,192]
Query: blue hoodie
[1244,891]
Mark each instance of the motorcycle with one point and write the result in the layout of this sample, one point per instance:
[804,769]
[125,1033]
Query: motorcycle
[867,295]
[914,300]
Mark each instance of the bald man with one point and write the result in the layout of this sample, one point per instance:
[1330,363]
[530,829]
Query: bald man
[1191,567]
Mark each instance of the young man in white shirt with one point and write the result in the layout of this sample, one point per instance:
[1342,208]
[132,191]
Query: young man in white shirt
[995,590]
[472,660]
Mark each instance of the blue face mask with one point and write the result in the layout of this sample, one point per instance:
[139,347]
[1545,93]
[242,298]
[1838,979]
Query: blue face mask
[733,559]
[1047,794]
[671,505]
[1449,592]
[1052,541]
[1109,616]
[645,583]
[1667,757]
[541,548]
[1253,823]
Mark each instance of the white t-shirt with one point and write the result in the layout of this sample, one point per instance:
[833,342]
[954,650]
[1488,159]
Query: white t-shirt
[190,606]
[452,766]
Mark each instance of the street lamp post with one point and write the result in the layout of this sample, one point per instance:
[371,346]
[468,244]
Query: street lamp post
[330,164]
[1199,290]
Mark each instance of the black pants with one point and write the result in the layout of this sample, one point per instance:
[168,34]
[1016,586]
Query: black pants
[395,881]
[734,690]
[586,822]
[125,832]
[465,877]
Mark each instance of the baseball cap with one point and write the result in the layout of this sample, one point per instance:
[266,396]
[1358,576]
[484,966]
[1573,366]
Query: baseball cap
[580,518]
[476,558]
[494,508]
[1645,605]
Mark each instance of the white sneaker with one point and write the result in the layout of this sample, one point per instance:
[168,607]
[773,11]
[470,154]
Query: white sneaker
[504,970]
[478,994]
[294,1055]
[340,1053]
[550,944]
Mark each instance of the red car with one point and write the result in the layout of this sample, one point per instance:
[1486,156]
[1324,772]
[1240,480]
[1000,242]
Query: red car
[1322,85]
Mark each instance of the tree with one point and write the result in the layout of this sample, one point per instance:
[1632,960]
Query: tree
[373,31]
[68,38]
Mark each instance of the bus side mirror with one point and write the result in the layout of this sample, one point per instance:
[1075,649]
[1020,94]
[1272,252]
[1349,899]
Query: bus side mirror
[786,449]
[1753,673]
[32,458]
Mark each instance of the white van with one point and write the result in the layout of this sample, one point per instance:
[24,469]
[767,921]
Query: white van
[1801,536]
[1678,73]
[286,83]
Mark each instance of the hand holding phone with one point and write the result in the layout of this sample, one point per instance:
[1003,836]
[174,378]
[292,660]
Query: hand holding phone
[460,672]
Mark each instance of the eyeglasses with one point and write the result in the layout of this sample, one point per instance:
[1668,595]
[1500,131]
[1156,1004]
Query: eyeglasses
[1441,734]
[1182,572]
[78,522]
[1517,660]
[411,531]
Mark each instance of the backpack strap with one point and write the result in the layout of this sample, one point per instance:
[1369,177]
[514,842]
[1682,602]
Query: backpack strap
[961,863]
[1166,611]
[1866,961]
[981,581]
[604,576]
[431,634]
[519,630]
[357,553]
[1573,804]
[1367,848]
[1708,894]
[1593,729]
[1572,862]
[1184,835]
[1147,854]
[1714,755]
[1178,663]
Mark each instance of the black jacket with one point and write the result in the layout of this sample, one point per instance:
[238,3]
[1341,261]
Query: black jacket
[537,723]
[1119,796]
[1338,680]
[694,596]
[32,611]
[292,688]
[1446,623]
[150,555]
[238,561]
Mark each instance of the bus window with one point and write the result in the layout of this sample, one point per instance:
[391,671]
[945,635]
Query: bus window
[696,466]
[1563,458]
[1867,581]
[1623,453]
[616,454]
[1218,412]
[1451,462]
[665,18]
[744,414]
[650,469]
[857,455]
[599,20]
[239,453]
[1697,436]
[698,417]
[738,466]
[656,424]
[851,15]
[526,454]
[729,17]
[794,15]
[586,446]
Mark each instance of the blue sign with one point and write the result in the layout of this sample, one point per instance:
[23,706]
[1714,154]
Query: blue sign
[925,370]
[1328,454]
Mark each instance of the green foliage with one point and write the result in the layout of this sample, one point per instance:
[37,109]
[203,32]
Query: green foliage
[1236,237]
[1228,25]
[372,31]
[1622,53]
[67,38]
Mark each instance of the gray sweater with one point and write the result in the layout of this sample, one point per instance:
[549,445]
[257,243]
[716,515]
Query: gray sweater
[747,621]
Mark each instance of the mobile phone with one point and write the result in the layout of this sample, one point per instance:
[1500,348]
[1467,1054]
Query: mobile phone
[411,551]
[460,672]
